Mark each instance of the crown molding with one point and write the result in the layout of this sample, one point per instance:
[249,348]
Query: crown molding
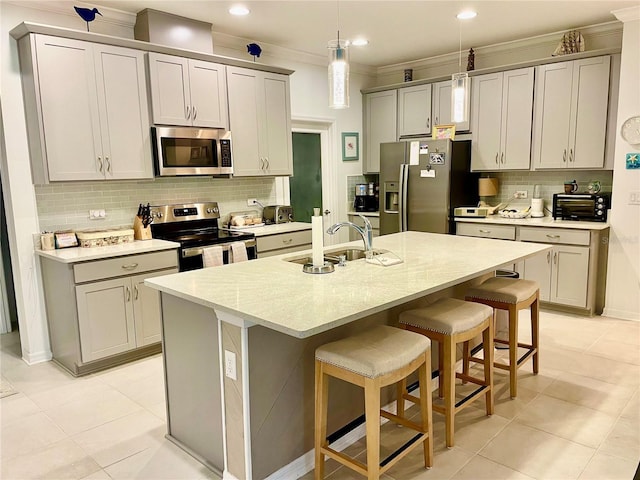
[109,15]
[627,14]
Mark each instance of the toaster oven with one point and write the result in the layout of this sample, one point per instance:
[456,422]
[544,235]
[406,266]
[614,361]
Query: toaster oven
[277,214]
[581,206]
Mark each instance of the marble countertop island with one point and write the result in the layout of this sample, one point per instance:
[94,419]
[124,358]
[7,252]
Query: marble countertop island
[275,293]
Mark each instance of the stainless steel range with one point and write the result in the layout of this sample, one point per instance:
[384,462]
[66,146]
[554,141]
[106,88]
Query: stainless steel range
[195,226]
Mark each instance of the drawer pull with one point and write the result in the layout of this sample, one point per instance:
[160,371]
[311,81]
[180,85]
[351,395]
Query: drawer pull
[130,266]
[553,236]
[128,293]
[555,257]
[484,231]
[548,256]
[135,292]
[288,240]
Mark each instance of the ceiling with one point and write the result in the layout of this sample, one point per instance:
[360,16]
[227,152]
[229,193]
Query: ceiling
[397,30]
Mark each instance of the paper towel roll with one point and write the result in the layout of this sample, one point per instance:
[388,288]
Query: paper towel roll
[317,241]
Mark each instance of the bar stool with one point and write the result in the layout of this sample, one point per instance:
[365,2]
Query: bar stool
[373,359]
[511,295]
[450,321]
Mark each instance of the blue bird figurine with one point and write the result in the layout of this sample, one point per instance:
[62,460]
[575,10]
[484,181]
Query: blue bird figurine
[87,14]
[254,49]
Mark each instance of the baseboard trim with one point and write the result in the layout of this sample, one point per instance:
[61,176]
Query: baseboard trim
[38,357]
[621,314]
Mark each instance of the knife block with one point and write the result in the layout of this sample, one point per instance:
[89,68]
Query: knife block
[140,232]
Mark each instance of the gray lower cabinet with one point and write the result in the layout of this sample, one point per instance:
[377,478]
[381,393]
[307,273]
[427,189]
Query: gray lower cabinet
[100,313]
[270,245]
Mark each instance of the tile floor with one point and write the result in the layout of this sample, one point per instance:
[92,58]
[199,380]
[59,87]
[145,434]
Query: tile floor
[579,418]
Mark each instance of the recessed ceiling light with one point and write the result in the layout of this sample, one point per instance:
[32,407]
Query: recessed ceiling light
[466,14]
[359,42]
[239,10]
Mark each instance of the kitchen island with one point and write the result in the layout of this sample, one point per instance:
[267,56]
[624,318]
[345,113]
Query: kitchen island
[239,342]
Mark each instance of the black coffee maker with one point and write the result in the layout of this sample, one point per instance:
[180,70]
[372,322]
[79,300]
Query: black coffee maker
[366,197]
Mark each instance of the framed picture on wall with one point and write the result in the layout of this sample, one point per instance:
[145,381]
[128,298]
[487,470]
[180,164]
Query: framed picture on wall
[350,147]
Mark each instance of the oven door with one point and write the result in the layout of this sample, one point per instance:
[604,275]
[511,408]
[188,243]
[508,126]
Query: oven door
[191,258]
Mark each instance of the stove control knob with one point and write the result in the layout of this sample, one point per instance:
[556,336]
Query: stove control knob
[599,212]
[209,210]
[158,214]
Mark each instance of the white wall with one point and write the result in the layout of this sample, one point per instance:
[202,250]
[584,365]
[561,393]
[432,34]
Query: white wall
[623,276]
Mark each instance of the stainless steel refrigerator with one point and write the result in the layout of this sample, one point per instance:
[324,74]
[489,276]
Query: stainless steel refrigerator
[422,181]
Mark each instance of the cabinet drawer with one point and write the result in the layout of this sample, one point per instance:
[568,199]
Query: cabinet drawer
[555,235]
[503,232]
[283,240]
[128,265]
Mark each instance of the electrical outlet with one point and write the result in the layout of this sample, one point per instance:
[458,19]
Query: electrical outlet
[634,198]
[230,365]
[521,194]
[97,214]
[252,201]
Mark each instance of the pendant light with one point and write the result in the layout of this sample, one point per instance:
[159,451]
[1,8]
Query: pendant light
[460,81]
[338,71]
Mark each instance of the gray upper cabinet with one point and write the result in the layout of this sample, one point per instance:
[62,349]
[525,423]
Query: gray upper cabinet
[187,92]
[441,105]
[89,125]
[501,120]
[380,120]
[260,120]
[414,110]
[570,121]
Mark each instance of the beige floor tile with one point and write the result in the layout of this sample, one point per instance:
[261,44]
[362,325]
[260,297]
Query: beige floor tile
[16,407]
[159,410]
[60,461]
[480,468]
[166,462]
[536,453]
[623,440]
[123,375]
[30,434]
[508,407]
[121,438]
[446,462]
[616,350]
[147,391]
[99,475]
[29,379]
[624,332]
[68,392]
[567,420]
[99,407]
[591,393]
[632,410]
[603,466]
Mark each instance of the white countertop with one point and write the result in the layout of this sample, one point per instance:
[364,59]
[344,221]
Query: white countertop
[366,214]
[535,222]
[277,294]
[274,229]
[79,254]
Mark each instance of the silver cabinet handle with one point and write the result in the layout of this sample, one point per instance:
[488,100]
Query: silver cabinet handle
[571,155]
[288,240]
[484,231]
[553,236]
[100,167]
[437,123]
[548,256]
[188,112]
[130,266]
[135,292]
[564,155]
[502,158]
[555,257]
[496,158]
[108,162]
[428,124]
[262,167]
[266,159]
[194,112]
[128,293]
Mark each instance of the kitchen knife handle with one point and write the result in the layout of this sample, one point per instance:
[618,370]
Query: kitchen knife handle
[130,266]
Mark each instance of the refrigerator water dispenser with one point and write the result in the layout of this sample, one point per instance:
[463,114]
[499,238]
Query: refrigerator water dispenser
[391,197]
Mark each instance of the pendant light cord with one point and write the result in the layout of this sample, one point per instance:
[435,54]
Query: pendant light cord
[460,47]
[338,20]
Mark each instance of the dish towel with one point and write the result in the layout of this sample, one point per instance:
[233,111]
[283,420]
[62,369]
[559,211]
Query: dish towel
[212,257]
[239,252]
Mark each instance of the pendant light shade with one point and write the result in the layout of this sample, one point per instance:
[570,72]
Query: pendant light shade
[338,74]
[459,97]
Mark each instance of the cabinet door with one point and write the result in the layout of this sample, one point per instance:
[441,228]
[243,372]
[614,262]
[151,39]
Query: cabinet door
[380,115]
[517,112]
[276,123]
[441,105]
[243,119]
[414,110]
[69,104]
[124,112]
[170,95]
[589,112]
[105,318]
[552,115]
[570,275]
[538,268]
[208,87]
[486,122]
[147,310]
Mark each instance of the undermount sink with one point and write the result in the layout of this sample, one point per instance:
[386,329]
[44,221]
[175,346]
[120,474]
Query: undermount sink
[350,254]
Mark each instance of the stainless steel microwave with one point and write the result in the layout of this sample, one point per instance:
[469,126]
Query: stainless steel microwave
[191,151]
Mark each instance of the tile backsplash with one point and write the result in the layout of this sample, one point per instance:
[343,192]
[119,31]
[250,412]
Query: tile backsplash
[64,206]
[550,183]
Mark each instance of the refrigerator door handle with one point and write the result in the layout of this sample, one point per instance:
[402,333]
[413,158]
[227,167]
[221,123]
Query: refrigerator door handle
[402,205]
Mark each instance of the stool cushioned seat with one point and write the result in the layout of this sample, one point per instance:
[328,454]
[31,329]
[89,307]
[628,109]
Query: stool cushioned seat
[375,352]
[506,290]
[447,316]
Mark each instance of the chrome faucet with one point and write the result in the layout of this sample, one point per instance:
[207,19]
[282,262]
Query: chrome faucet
[366,233]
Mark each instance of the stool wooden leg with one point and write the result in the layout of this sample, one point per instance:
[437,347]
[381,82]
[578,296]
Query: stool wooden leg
[322,395]
[372,422]
[535,326]
[449,387]
[487,341]
[401,389]
[440,370]
[513,350]
[424,374]
[465,359]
